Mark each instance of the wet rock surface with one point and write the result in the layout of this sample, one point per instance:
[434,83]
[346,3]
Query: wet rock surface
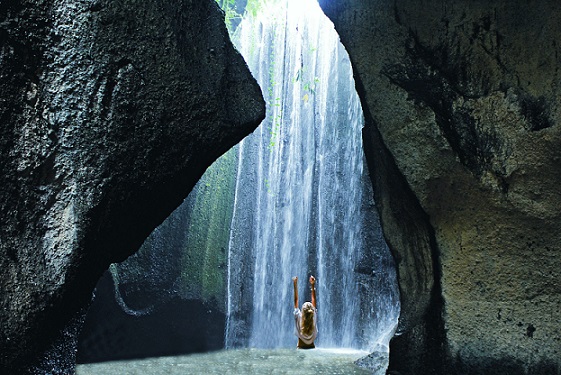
[110,112]
[170,325]
[462,134]
[169,297]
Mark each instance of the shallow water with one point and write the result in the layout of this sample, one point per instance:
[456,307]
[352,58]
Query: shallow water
[243,361]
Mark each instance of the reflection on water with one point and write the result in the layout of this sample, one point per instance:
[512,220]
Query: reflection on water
[243,361]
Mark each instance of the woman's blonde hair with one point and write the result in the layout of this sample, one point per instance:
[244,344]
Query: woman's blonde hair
[308,312]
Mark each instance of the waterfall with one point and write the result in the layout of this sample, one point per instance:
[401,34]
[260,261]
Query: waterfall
[303,204]
[293,199]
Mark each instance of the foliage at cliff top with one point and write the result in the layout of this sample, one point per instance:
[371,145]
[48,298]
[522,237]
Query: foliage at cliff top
[234,12]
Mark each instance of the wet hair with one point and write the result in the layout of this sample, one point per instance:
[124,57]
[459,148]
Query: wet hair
[308,312]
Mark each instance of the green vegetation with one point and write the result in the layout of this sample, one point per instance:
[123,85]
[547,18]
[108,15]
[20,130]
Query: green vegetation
[308,85]
[231,14]
[205,255]
[189,255]
[253,8]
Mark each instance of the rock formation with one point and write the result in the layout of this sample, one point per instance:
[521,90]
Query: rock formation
[110,112]
[169,298]
[462,134]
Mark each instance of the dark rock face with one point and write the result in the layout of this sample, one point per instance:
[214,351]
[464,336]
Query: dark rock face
[169,297]
[171,326]
[463,138]
[110,112]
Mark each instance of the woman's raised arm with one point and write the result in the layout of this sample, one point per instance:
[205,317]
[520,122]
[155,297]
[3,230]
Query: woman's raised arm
[313,283]
[295,281]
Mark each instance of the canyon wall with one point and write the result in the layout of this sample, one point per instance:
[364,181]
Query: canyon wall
[462,134]
[110,113]
[169,298]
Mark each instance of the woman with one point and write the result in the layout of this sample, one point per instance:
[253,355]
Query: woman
[306,320]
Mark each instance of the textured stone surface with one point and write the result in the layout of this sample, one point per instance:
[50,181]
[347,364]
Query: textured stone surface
[166,325]
[110,111]
[463,135]
[169,297]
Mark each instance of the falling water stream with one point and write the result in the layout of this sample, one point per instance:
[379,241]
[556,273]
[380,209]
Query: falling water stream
[303,201]
[298,199]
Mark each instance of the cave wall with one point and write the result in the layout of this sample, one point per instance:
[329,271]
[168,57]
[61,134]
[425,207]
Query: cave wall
[462,135]
[169,298]
[110,112]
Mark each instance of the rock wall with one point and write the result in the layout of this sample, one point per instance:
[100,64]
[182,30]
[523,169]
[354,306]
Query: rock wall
[462,134]
[169,298]
[110,112]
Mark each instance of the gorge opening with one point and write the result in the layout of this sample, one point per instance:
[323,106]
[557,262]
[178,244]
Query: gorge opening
[292,199]
[303,200]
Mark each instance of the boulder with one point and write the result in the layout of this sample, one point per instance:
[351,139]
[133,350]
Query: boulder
[110,113]
[462,136]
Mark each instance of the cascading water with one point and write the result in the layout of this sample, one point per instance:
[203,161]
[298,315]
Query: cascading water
[303,202]
[294,198]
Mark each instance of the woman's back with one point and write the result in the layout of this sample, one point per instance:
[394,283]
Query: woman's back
[305,320]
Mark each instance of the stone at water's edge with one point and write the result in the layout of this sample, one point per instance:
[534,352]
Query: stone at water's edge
[463,138]
[109,112]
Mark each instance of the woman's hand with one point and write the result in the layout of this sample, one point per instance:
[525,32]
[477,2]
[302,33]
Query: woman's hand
[313,283]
